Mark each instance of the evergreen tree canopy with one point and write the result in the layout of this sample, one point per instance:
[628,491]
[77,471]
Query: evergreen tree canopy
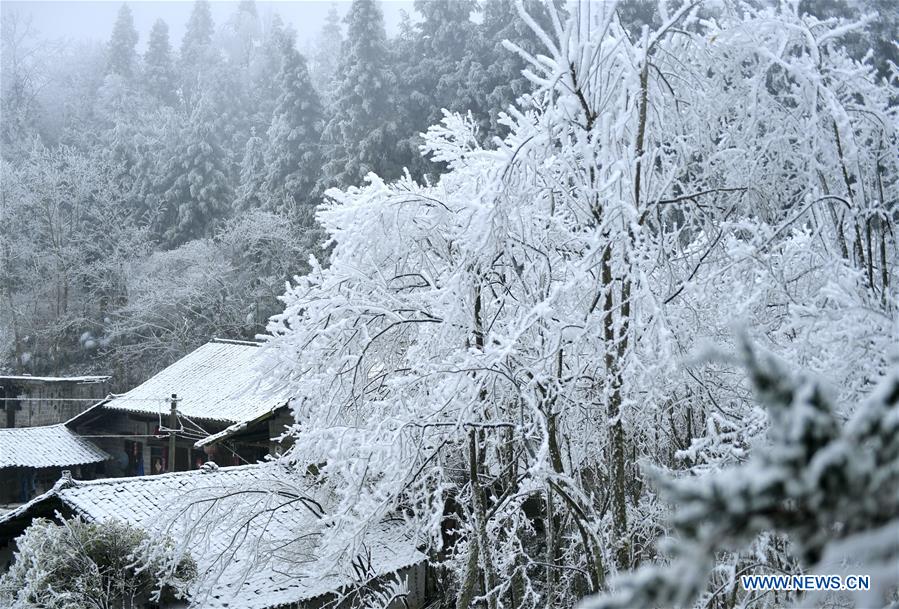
[159,71]
[361,134]
[198,195]
[433,62]
[264,87]
[241,34]
[122,45]
[293,157]
[496,71]
[252,175]
[196,53]
[327,55]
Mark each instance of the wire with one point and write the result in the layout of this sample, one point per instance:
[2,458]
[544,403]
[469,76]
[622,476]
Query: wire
[222,444]
[195,424]
[121,436]
[228,448]
[95,400]
[112,399]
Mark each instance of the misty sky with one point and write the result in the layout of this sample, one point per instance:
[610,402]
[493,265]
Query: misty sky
[93,20]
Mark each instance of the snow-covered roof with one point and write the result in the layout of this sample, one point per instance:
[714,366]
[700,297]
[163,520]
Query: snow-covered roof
[227,432]
[220,381]
[234,429]
[272,566]
[54,379]
[48,446]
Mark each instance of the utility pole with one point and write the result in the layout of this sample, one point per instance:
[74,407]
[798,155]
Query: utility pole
[173,421]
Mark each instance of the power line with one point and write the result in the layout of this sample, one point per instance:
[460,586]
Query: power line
[126,436]
[94,400]
[108,400]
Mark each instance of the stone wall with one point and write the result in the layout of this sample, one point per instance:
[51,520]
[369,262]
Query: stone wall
[33,402]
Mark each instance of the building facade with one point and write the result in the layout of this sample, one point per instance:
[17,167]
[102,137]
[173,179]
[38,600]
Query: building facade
[217,386]
[32,459]
[31,401]
[276,563]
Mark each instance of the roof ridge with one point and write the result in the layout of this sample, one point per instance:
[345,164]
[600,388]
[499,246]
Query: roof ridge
[166,475]
[38,428]
[231,341]
[57,379]
[48,426]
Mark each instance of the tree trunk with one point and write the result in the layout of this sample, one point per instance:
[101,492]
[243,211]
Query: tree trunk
[480,518]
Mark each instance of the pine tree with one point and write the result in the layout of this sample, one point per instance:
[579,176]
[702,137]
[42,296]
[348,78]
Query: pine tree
[196,52]
[881,34]
[494,77]
[439,70]
[159,71]
[122,59]
[361,134]
[327,55]
[252,175]
[266,65]
[293,156]
[433,59]
[241,34]
[198,192]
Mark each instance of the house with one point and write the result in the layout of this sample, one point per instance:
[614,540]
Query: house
[28,401]
[277,563]
[261,432]
[220,384]
[32,459]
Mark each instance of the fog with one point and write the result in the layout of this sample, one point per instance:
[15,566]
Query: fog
[77,20]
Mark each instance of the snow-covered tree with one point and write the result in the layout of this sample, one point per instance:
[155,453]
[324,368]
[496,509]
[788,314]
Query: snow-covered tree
[123,45]
[241,34]
[360,133]
[58,281]
[491,355]
[197,54]
[266,64]
[293,158]
[222,286]
[159,72]
[495,73]
[324,60]
[250,191]
[198,192]
[829,485]
[432,59]
[23,77]
[81,564]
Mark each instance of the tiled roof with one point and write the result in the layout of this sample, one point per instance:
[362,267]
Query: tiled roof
[271,566]
[48,446]
[220,381]
[236,428]
[55,379]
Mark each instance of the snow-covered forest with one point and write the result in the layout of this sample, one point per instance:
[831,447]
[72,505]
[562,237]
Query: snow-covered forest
[152,200]
[596,301]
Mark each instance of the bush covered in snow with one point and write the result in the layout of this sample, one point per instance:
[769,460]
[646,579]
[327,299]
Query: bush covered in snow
[82,565]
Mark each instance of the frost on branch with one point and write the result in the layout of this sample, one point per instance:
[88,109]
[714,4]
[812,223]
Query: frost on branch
[78,564]
[830,486]
[486,358]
